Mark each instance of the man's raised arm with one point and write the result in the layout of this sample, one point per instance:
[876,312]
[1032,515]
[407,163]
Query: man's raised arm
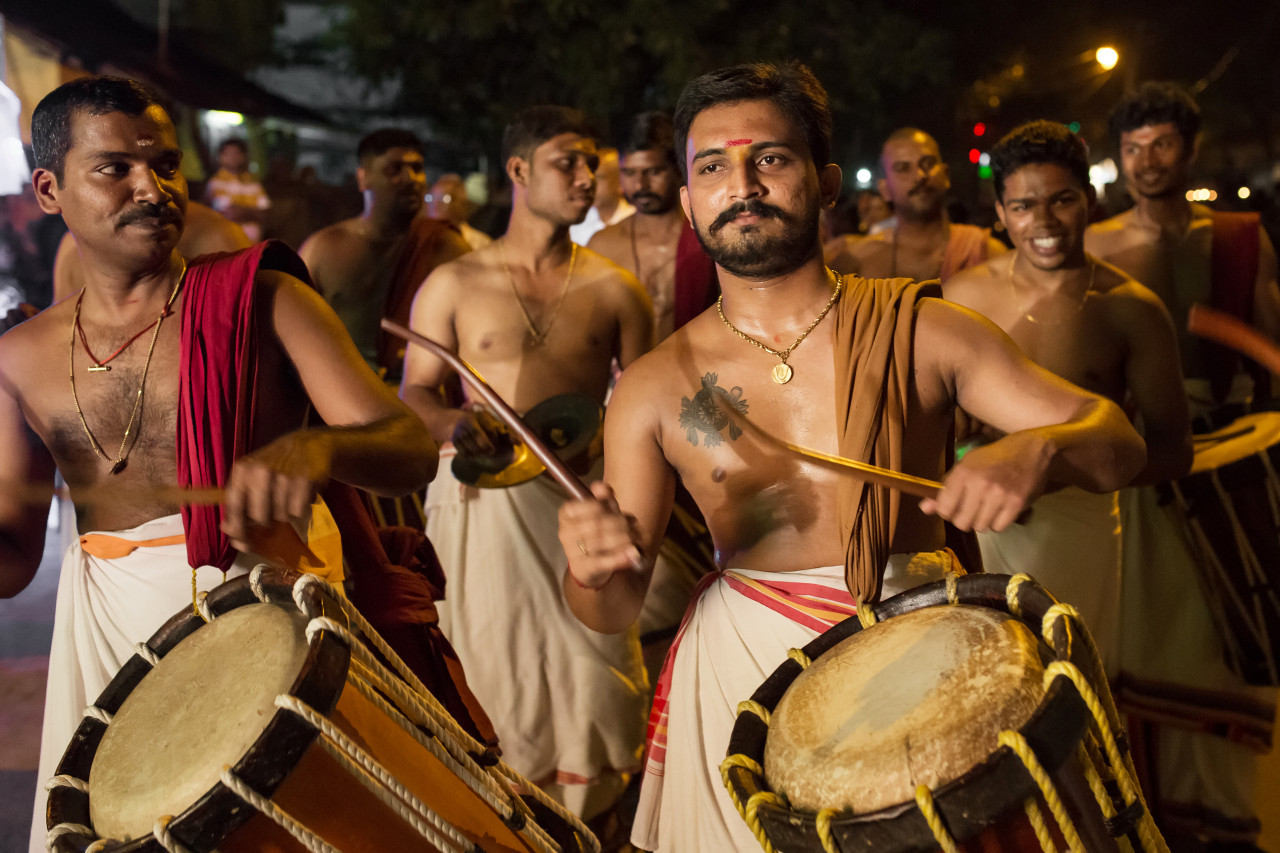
[1056,432]
[612,541]
[1153,374]
[370,439]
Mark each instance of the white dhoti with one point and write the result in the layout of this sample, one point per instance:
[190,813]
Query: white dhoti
[1071,545]
[568,703]
[106,606]
[736,633]
[1209,726]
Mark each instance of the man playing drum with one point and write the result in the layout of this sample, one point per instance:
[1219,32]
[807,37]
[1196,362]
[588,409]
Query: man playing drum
[1091,324]
[754,142]
[1203,723]
[538,316]
[133,421]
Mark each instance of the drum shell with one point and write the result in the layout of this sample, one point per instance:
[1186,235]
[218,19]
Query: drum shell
[289,763]
[1220,506]
[982,808]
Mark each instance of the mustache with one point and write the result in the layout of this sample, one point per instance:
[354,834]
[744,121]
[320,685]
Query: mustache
[754,207]
[146,211]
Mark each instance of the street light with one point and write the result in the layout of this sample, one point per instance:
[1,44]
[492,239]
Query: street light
[1107,57]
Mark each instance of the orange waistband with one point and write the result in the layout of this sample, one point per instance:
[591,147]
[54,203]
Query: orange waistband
[104,546]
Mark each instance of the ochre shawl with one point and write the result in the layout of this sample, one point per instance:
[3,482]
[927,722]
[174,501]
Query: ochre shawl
[874,328]
[966,247]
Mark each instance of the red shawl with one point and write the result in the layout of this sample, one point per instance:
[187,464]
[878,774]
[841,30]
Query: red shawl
[1234,276]
[696,285]
[419,258]
[217,401]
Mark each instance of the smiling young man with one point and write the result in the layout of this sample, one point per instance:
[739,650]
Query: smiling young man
[1091,324]
[837,365]
[656,243]
[537,316]
[370,266]
[923,243]
[1202,726]
[183,372]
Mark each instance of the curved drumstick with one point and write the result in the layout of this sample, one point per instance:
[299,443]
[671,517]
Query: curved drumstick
[1224,329]
[555,467]
[874,474]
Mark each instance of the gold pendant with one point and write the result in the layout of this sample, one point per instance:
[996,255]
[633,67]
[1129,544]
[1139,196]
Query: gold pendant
[99,368]
[782,373]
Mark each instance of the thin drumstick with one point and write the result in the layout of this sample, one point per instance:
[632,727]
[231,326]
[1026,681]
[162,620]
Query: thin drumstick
[1222,328]
[555,467]
[874,474]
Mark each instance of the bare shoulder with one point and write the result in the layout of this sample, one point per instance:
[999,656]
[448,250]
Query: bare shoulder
[208,231]
[611,240]
[609,278]
[973,286]
[26,348]
[1115,233]
[870,247]
[332,241]
[646,383]
[1126,298]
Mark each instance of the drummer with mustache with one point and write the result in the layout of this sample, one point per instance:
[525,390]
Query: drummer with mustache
[147,345]
[923,243]
[1091,324]
[870,369]
[537,316]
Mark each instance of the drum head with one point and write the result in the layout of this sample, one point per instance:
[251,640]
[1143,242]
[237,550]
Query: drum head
[202,707]
[918,699]
[1244,437]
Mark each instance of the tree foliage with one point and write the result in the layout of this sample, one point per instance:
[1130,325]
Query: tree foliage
[470,66]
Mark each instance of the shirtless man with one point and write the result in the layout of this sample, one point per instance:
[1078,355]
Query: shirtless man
[757,141]
[108,161]
[1094,326]
[537,316]
[370,266]
[923,244]
[609,207]
[204,231]
[449,202]
[656,244]
[1175,686]
[1166,241]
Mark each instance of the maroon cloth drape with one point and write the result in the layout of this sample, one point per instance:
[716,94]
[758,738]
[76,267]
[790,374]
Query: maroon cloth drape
[217,402]
[218,382]
[416,262]
[1234,275]
[696,284]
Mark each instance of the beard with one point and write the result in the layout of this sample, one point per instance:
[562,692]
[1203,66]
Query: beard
[756,255]
[652,203]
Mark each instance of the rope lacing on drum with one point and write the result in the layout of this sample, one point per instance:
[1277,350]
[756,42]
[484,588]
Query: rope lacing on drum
[93,712]
[424,704]
[1032,810]
[823,824]
[754,707]
[924,801]
[866,614]
[800,657]
[160,831]
[144,651]
[953,594]
[1011,592]
[305,837]
[64,781]
[750,815]
[1019,746]
[369,773]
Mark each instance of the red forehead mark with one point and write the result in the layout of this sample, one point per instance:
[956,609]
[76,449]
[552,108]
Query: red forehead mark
[731,143]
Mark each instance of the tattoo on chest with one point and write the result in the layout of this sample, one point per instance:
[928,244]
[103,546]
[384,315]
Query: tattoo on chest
[706,413]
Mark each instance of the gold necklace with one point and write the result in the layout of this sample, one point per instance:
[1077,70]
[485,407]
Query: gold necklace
[123,453]
[539,337]
[1093,271]
[782,373]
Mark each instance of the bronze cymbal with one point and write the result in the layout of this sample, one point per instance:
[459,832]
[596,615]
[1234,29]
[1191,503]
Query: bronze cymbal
[568,424]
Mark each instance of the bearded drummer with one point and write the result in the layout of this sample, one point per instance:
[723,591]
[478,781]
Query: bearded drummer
[709,405]
[1091,324]
[153,344]
[538,316]
[1202,725]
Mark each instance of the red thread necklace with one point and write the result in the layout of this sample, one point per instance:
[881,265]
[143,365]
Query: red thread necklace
[99,366]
